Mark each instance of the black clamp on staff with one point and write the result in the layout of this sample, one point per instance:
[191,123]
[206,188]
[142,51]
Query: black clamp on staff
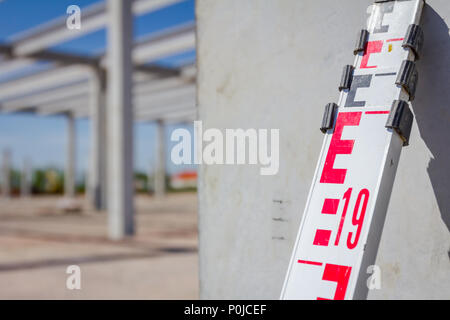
[414,39]
[329,115]
[408,77]
[400,119]
[330,111]
[361,41]
[347,77]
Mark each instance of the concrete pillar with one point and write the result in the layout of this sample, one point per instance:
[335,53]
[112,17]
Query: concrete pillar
[150,176]
[25,179]
[120,120]
[160,172]
[69,176]
[97,173]
[6,173]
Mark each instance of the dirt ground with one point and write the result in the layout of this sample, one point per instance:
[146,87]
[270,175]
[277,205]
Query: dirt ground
[39,240]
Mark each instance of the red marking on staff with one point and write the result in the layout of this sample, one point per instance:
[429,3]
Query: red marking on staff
[347,196]
[395,39]
[339,274]
[310,262]
[322,237]
[371,47]
[376,112]
[330,206]
[338,146]
[358,221]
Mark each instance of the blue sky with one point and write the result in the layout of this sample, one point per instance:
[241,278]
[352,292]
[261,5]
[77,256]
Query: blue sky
[43,138]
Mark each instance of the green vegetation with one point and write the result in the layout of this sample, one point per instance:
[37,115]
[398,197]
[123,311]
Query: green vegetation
[51,181]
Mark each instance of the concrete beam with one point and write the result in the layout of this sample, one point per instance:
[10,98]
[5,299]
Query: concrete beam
[143,85]
[94,18]
[166,43]
[45,99]
[183,93]
[176,116]
[10,66]
[161,84]
[160,46]
[61,94]
[44,80]
[70,59]
[80,103]
[156,103]
[120,121]
[165,110]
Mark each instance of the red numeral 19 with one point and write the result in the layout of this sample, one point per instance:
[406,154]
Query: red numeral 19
[357,218]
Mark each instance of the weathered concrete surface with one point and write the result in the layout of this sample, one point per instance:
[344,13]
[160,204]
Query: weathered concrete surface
[275,64]
[39,241]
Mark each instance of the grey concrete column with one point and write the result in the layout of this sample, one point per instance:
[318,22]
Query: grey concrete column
[69,175]
[6,173]
[25,179]
[96,190]
[120,120]
[150,176]
[160,172]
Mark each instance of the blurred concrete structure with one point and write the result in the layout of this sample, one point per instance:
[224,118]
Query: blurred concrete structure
[25,178]
[6,173]
[104,88]
[160,172]
[275,65]
[97,176]
[69,174]
[120,119]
